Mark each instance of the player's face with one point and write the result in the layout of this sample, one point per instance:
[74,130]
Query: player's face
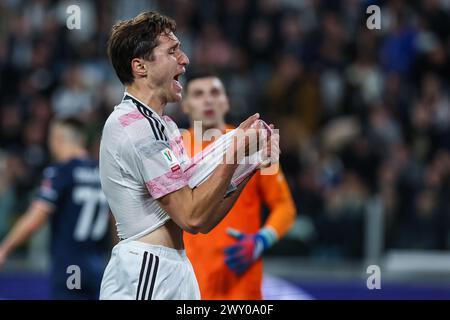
[206,101]
[164,70]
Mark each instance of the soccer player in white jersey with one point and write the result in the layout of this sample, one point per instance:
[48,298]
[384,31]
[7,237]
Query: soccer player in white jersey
[143,168]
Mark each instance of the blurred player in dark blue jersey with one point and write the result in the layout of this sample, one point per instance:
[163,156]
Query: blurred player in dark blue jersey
[70,196]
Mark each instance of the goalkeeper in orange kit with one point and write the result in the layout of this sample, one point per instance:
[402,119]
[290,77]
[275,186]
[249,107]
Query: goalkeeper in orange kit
[227,261]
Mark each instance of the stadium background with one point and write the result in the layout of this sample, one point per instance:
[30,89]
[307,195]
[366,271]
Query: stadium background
[364,117]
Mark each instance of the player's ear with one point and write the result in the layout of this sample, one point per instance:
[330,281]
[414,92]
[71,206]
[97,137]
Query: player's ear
[138,67]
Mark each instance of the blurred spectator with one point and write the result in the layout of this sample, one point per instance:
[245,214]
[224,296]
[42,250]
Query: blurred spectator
[72,98]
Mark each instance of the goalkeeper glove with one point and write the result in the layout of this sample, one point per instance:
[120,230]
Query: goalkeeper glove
[240,256]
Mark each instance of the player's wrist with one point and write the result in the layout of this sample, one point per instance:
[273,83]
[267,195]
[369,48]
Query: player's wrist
[231,156]
[237,151]
[267,236]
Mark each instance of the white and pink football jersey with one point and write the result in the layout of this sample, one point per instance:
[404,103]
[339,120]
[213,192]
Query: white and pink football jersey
[142,158]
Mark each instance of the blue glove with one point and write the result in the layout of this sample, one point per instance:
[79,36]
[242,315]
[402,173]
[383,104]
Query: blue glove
[240,256]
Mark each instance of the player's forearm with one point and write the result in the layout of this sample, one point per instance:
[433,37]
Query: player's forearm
[190,208]
[225,206]
[282,217]
[30,221]
[19,234]
[208,196]
[195,210]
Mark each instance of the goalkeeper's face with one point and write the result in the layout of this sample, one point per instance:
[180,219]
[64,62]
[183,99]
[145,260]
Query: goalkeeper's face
[206,101]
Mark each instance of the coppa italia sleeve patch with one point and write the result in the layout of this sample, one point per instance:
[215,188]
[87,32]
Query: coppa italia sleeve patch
[170,159]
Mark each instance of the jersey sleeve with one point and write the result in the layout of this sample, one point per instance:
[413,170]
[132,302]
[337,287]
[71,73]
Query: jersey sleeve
[54,184]
[157,164]
[278,198]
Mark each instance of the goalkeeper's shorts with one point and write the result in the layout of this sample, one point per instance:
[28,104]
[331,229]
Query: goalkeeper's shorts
[140,271]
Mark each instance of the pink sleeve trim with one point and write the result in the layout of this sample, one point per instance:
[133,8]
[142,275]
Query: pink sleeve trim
[167,183]
[129,118]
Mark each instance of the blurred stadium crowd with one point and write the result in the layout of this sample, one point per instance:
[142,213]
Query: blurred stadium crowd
[363,113]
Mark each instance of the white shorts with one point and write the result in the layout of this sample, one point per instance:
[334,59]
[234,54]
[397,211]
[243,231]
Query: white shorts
[140,271]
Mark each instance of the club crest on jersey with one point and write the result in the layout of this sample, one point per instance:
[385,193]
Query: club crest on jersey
[170,159]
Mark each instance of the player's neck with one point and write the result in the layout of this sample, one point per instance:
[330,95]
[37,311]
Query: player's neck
[76,153]
[147,96]
[220,126]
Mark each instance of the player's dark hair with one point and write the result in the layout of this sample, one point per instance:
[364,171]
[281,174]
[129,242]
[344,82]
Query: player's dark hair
[136,38]
[76,127]
[71,122]
[191,76]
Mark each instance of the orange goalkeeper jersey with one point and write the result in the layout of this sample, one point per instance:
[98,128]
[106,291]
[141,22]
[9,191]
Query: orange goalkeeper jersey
[206,251]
